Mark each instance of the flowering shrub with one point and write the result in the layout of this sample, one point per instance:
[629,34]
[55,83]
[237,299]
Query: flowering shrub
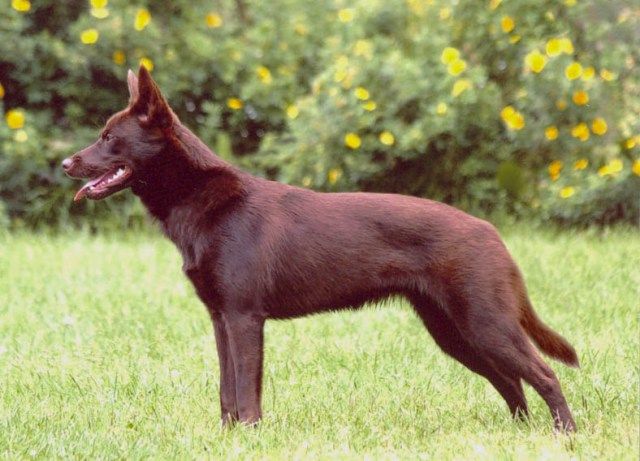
[518,105]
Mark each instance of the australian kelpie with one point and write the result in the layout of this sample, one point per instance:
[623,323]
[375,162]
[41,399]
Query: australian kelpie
[256,249]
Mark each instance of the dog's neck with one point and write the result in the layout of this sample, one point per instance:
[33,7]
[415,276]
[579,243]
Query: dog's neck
[186,171]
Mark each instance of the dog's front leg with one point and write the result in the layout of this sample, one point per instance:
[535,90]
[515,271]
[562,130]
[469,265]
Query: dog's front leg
[245,332]
[228,406]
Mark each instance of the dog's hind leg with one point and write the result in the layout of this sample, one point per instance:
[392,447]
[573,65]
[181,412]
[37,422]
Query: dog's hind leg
[499,338]
[449,339]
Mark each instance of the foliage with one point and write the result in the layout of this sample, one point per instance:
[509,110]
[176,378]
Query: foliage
[584,196]
[467,102]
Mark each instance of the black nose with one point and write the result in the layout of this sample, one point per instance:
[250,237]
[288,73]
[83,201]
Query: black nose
[66,163]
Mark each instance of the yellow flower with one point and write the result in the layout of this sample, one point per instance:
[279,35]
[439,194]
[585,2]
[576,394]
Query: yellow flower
[342,61]
[636,167]
[21,5]
[551,132]
[507,23]
[493,4]
[580,131]
[119,57]
[264,74]
[535,61]
[417,7]
[441,108]
[456,67]
[89,36]
[607,75]
[213,20]
[444,13]
[554,47]
[352,141]
[387,138]
[99,3]
[1,91]
[567,192]
[20,136]
[599,126]
[615,165]
[561,104]
[234,103]
[292,111]
[570,2]
[554,169]
[346,15]
[363,48]
[370,106]
[333,175]
[449,54]
[361,93]
[147,63]
[143,18]
[630,143]
[507,112]
[581,164]
[566,45]
[612,168]
[301,29]
[515,38]
[15,119]
[573,70]
[588,73]
[512,118]
[340,75]
[99,13]
[460,86]
[580,97]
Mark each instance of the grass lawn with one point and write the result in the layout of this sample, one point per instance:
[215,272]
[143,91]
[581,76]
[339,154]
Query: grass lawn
[105,352]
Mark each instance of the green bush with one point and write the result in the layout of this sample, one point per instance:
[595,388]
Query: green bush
[584,196]
[469,102]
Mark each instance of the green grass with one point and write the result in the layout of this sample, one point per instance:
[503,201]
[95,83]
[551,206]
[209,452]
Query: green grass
[105,352]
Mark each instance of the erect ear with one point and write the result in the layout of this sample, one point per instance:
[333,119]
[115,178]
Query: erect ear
[132,81]
[149,105]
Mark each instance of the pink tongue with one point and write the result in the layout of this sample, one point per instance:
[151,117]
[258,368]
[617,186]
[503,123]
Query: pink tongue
[83,190]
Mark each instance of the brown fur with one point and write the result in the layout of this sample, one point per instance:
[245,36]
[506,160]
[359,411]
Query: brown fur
[257,250]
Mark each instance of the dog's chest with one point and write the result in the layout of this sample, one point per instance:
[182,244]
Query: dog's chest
[184,230]
[191,239]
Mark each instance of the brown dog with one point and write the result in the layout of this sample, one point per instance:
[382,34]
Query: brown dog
[256,250]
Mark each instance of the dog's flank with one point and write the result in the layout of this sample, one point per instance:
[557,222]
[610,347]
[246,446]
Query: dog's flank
[257,249]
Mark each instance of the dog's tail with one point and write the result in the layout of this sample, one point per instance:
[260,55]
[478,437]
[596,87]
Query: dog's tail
[548,340]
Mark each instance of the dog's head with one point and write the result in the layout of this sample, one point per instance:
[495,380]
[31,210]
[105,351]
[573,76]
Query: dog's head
[130,139]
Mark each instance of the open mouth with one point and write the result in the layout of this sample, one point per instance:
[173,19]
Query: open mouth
[110,182]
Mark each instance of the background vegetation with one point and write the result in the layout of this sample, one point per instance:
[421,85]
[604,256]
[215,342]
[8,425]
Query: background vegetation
[521,106]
